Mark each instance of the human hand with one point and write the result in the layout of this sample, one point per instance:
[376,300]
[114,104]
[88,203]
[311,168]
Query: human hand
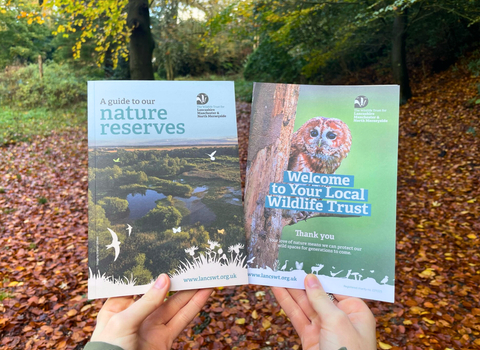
[151,322]
[326,325]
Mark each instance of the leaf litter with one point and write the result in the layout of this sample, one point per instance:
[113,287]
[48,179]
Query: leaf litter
[43,240]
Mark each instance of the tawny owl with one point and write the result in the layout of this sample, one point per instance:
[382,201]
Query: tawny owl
[319,146]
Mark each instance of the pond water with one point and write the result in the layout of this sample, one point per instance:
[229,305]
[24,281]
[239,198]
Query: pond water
[140,205]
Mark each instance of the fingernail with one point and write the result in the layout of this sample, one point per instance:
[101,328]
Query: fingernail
[161,281]
[312,282]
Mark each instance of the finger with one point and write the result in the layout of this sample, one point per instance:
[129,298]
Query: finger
[111,307]
[357,310]
[147,304]
[320,300]
[341,297]
[186,314]
[170,307]
[292,309]
[300,297]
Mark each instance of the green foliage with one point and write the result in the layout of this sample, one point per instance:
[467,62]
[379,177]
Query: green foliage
[272,63]
[60,87]
[113,206]
[139,272]
[172,188]
[24,35]
[161,218]
[106,177]
[103,22]
[474,66]
[243,90]
[186,47]
[97,220]
[321,42]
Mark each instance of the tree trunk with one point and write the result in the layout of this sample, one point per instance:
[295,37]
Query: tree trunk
[40,66]
[141,41]
[399,56]
[108,63]
[273,118]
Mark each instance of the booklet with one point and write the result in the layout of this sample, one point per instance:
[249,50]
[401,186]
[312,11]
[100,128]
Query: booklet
[164,188]
[320,191]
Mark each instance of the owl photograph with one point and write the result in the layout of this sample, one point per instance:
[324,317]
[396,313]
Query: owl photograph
[319,146]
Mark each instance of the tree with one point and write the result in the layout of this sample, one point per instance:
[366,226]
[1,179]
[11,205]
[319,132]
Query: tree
[141,41]
[266,156]
[399,56]
[446,11]
[116,26]
[25,35]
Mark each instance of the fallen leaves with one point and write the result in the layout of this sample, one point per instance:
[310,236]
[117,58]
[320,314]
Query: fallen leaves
[437,220]
[43,241]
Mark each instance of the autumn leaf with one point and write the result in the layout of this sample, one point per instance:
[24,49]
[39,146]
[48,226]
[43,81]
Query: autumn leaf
[384,346]
[240,321]
[266,324]
[427,273]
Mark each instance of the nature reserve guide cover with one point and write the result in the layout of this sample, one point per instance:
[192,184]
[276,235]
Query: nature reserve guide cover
[320,191]
[164,187]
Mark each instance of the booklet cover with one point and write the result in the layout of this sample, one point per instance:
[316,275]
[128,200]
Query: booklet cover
[320,191]
[164,186]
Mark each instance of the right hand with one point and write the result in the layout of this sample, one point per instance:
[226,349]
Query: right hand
[326,325]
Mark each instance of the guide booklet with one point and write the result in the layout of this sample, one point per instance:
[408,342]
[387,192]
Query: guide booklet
[320,191]
[164,188]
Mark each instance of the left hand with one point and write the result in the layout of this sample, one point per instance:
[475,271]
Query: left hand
[152,322]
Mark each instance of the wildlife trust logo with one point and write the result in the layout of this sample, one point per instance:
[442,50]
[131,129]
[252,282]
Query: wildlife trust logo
[202,98]
[360,102]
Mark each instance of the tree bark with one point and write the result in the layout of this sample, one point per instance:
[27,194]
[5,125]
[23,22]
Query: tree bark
[141,40]
[399,56]
[273,118]
[40,66]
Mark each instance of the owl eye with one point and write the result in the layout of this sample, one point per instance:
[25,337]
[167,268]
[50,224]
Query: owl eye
[331,135]
[314,133]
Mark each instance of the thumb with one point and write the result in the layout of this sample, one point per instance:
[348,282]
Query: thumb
[151,300]
[318,298]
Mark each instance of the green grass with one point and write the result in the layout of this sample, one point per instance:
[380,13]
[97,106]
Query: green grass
[20,125]
[243,88]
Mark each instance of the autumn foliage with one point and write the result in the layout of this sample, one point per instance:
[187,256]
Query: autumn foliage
[43,240]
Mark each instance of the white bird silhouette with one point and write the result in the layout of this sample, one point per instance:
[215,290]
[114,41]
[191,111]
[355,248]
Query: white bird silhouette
[115,243]
[212,155]
[284,266]
[177,230]
[129,229]
[334,274]
[372,271]
[251,260]
[299,265]
[385,280]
